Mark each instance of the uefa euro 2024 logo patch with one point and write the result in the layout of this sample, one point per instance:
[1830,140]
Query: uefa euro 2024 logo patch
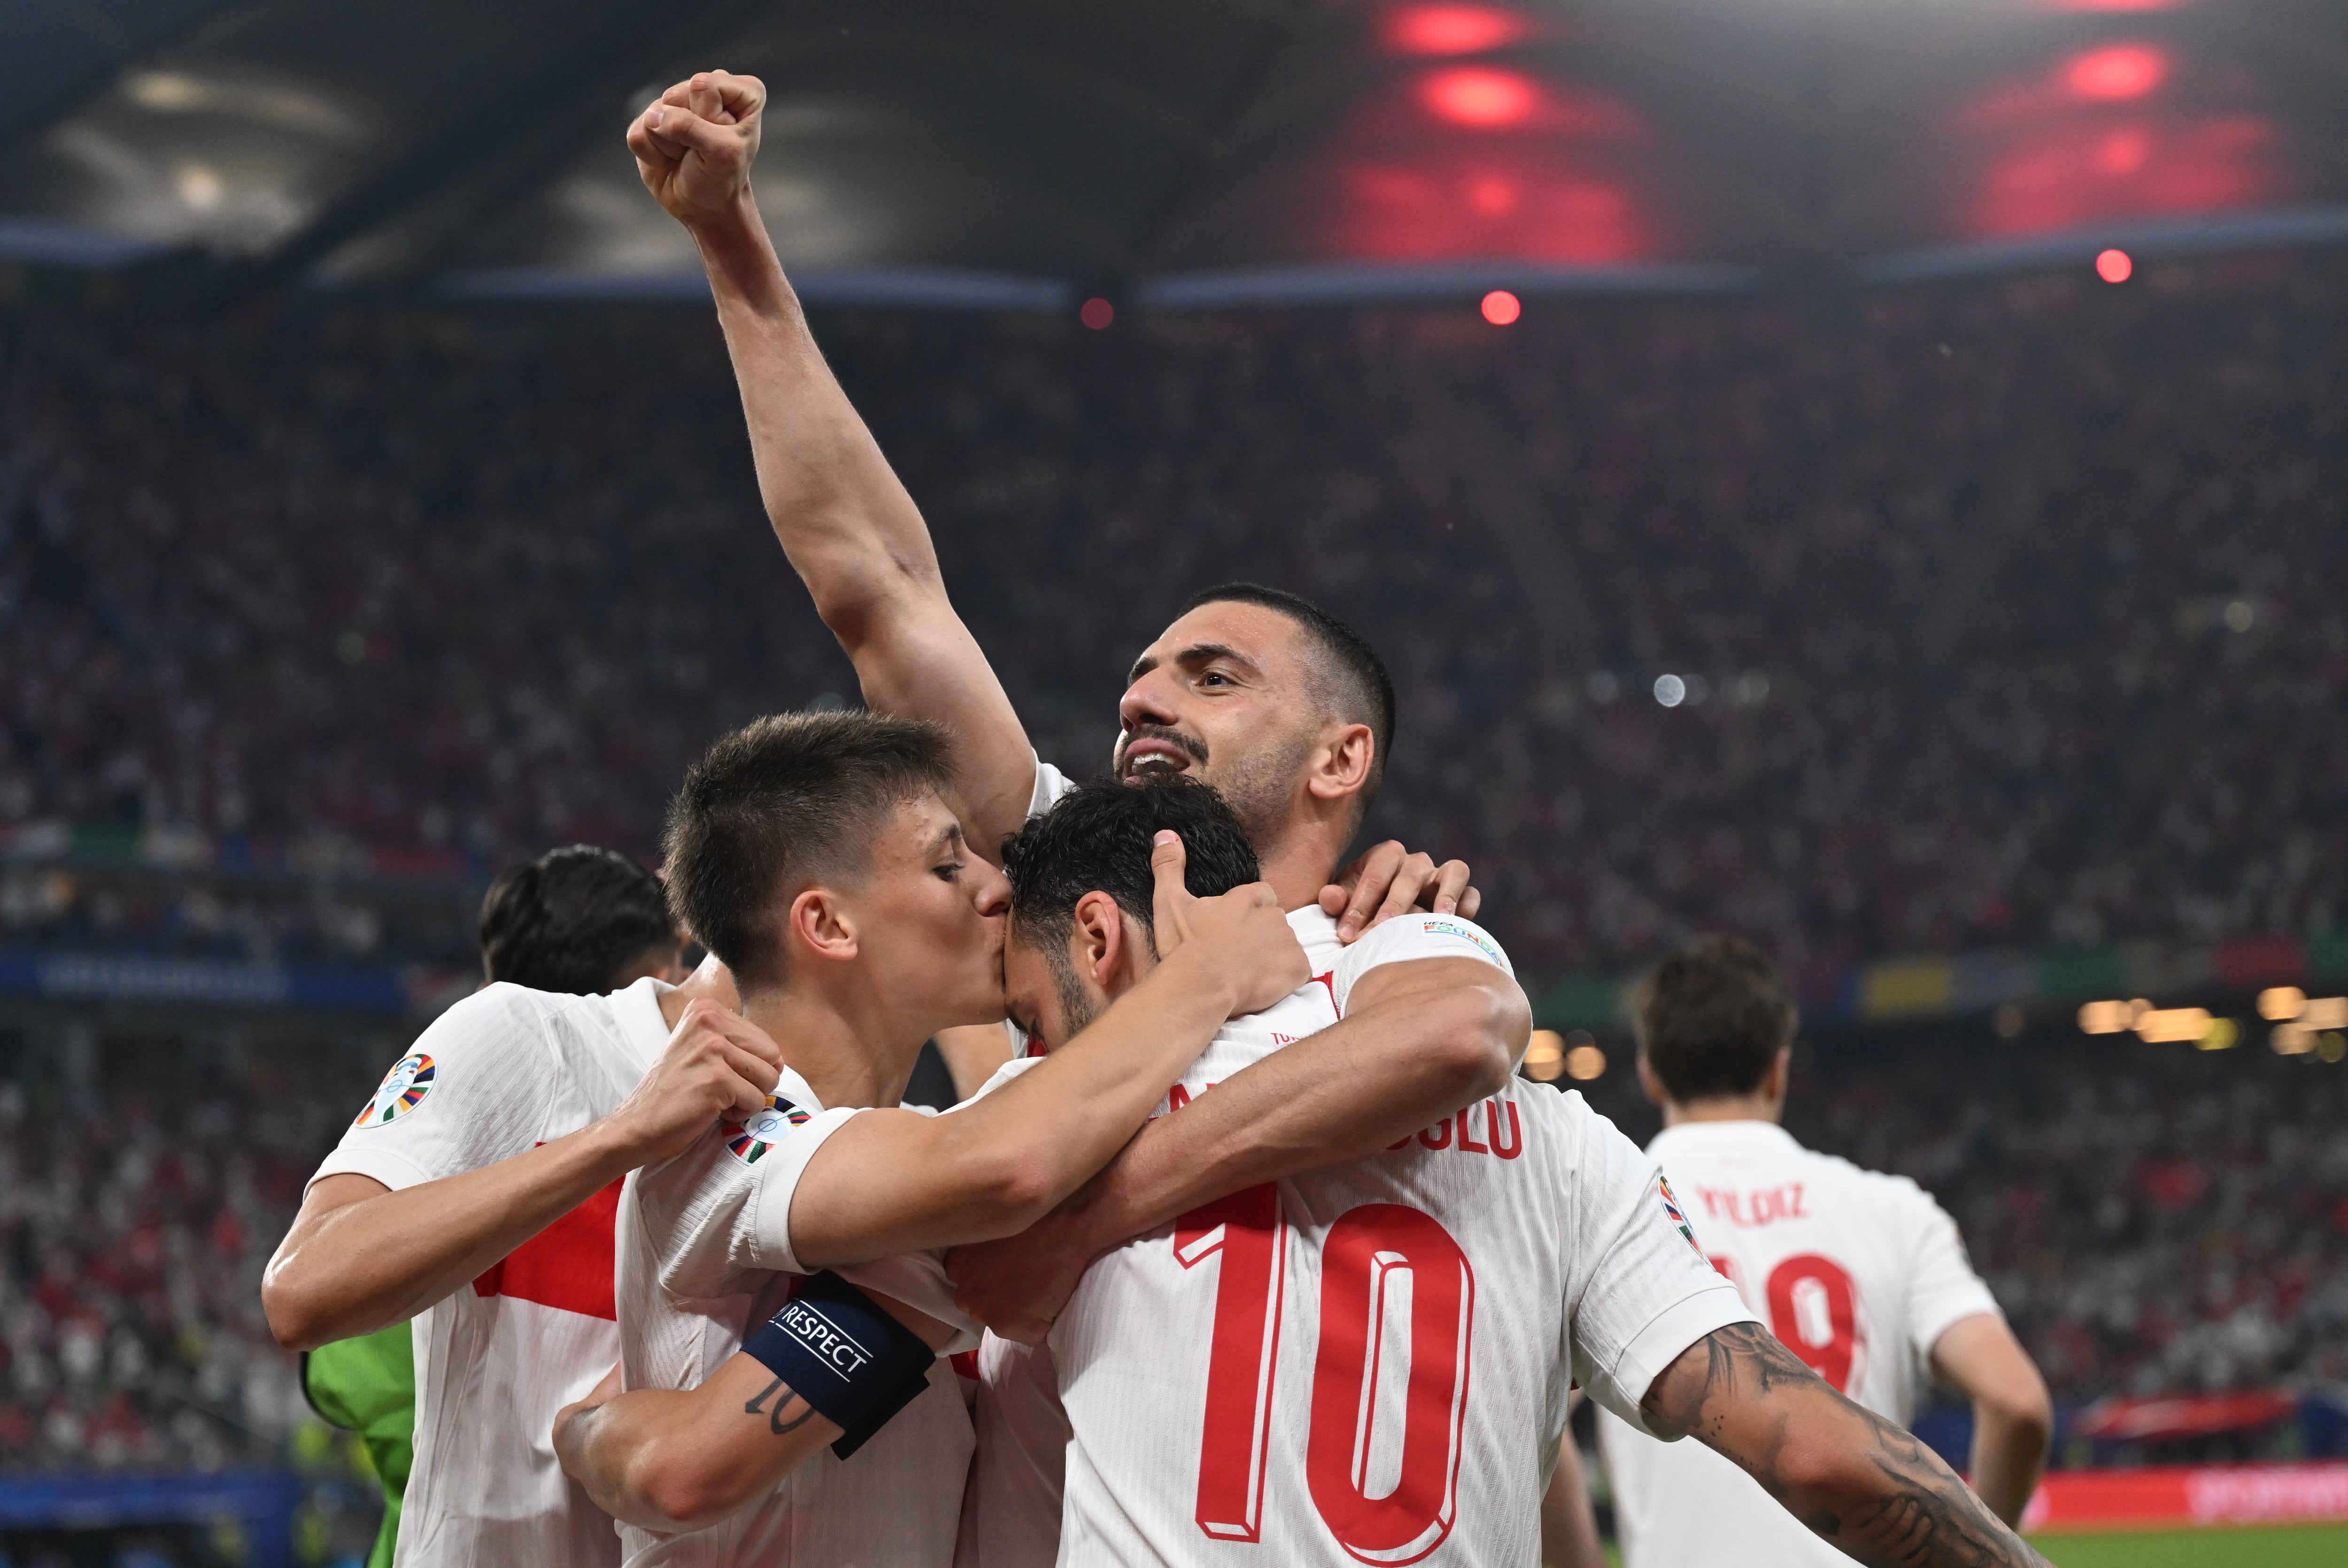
[404,1089]
[1672,1207]
[764,1129]
[1439,927]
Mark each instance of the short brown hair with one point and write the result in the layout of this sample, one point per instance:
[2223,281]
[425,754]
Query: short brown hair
[1711,1018]
[787,800]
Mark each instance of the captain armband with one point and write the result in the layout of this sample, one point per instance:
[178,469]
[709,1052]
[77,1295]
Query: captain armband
[837,1349]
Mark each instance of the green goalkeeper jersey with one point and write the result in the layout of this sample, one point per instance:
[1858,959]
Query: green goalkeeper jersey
[367,1386]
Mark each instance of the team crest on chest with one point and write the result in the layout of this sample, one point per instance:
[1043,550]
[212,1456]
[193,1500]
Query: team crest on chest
[403,1090]
[1672,1207]
[751,1139]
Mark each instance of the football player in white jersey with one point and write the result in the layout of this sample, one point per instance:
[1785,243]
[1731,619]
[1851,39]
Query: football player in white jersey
[1377,1366]
[1861,1276]
[808,848]
[1281,706]
[475,1195]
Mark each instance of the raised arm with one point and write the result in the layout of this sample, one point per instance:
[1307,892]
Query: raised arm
[2013,1416]
[851,531]
[1419,1041]
[361,1256]
[1864,1486]
[894,1181]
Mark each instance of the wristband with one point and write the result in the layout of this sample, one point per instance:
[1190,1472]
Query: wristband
[837,1349]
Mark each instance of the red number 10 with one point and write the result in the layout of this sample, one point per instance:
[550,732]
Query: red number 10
[1370,1252]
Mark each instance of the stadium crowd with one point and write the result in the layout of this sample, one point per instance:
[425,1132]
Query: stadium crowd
[1997,612]
[2175,1228]
[134,1216]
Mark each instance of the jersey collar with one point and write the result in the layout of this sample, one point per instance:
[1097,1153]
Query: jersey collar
[1693,1135]
[637,1008]
[1317,931]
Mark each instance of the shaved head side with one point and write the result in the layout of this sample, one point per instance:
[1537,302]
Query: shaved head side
[1349,677]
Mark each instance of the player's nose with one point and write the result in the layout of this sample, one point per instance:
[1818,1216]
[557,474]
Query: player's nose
[991,893]
[1149,701]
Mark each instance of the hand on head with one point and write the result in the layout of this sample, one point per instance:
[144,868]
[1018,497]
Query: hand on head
[1241,936]
[694,147]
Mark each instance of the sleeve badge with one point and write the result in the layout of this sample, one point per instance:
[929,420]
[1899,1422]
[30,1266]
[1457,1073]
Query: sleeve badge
[750,1140]
[402,1090]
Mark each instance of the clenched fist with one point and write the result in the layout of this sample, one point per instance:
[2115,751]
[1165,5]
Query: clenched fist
[717,1064]
[694,147]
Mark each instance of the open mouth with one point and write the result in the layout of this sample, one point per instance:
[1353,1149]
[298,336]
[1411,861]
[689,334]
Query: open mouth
[1153,756]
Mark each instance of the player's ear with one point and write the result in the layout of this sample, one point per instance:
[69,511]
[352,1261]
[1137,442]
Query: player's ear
[822,923]
[1781,1075]
[1096,937]
[1340,765]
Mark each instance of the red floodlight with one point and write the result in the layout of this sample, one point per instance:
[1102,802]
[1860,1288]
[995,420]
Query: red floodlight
[2114,267]
[1502,308]
[1096,313]
[1440,29]
[1477,96]
[2116,71]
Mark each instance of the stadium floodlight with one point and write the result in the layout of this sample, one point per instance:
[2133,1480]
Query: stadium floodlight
[1670,690]
[2279,1002]
[2324,1012]
[2106,1017]
[1545,1056]
[2171,1026]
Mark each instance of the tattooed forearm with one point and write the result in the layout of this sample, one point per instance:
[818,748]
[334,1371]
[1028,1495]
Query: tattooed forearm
[1865,1485]
[775,1422]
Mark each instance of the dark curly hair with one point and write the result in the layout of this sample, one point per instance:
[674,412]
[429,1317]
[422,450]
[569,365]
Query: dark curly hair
[1097,838]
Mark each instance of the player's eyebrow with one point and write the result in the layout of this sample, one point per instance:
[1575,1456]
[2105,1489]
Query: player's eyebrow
[1196,653]
[948,836]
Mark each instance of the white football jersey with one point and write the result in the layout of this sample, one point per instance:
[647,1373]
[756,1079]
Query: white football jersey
[1366,1363]
[501,1072]
[1859,1273]
[705,1256]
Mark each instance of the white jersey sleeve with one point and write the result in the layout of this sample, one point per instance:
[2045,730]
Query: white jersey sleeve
[1641,1289]
[473,1091]
[1943,1290]
[725,1203]
[1051,784]
[1411,936]
[721,1211]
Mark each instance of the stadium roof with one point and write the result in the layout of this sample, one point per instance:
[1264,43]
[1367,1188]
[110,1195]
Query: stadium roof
[1184,151]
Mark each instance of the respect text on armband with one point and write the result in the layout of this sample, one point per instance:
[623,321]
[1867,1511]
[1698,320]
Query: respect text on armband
[840,1353]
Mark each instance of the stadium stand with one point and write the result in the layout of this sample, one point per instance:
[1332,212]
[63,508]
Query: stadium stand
[2001,615]
[1996,611]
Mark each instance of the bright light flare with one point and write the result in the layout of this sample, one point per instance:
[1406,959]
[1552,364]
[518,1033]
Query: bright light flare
[1481,97]
[2116,71]
[1545,1056]
[1097,313]
[1502,308]
[1585,1064]
[1438,30]
[2115,266]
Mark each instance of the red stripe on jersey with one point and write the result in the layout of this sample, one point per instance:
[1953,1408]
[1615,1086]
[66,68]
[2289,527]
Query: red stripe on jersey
[1330,981]
[567,1266]
[965,1364]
